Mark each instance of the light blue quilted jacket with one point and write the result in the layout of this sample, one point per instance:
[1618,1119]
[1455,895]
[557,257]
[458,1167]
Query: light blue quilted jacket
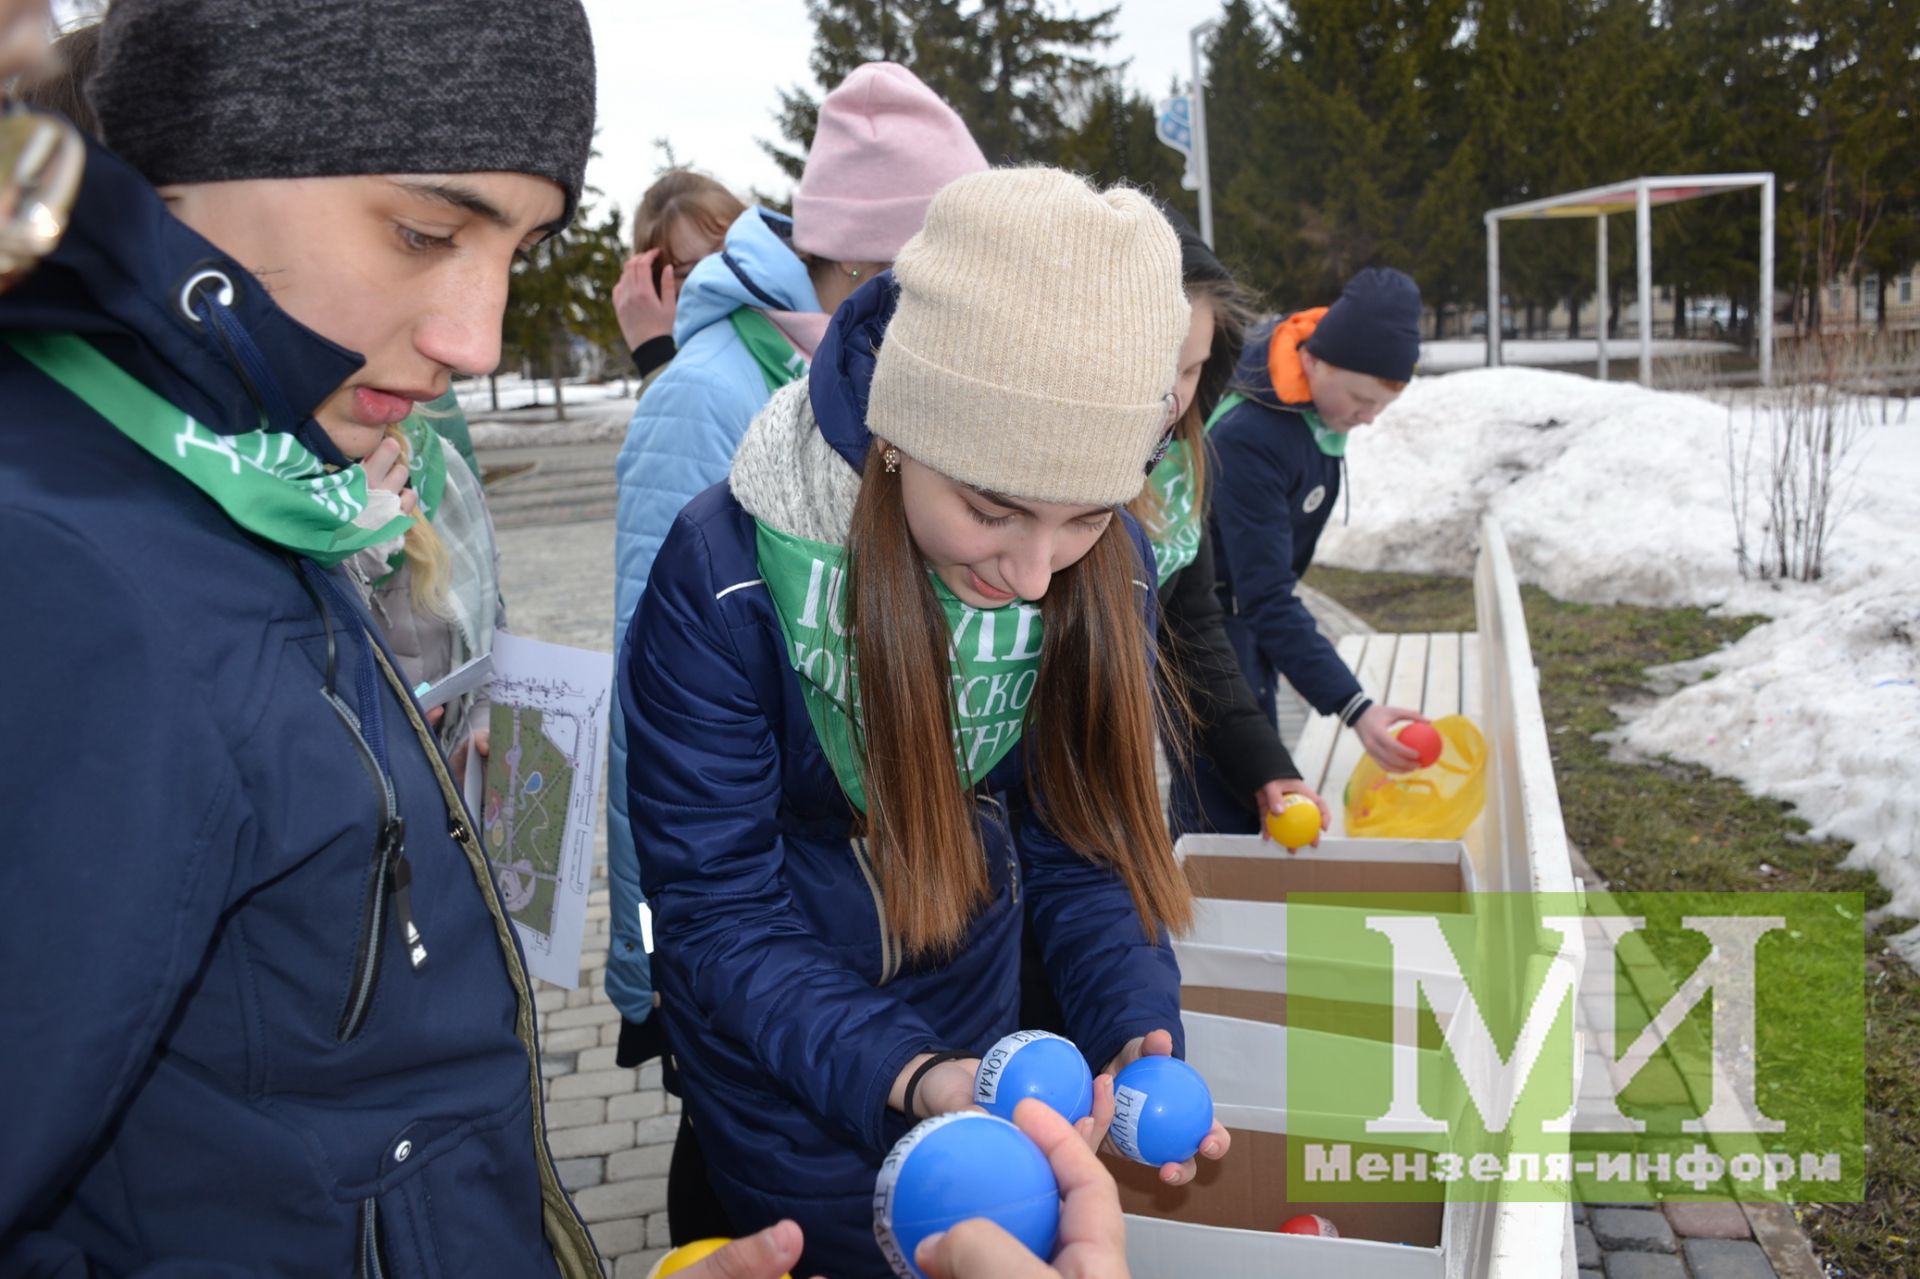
[680,442]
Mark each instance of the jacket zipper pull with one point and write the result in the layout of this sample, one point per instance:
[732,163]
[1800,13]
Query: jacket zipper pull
[399,885]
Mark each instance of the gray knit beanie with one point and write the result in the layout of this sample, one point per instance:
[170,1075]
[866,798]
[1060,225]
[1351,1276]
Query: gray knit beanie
[1037,337]
[216,90]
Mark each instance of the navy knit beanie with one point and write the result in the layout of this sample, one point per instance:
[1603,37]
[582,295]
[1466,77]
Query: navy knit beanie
[218,90]
[1374,328]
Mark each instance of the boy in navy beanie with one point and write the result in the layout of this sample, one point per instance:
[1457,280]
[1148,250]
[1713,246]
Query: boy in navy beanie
[1279,441]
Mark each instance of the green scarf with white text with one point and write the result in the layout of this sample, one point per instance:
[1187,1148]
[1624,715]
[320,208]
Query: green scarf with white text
[993,659]
[266,481]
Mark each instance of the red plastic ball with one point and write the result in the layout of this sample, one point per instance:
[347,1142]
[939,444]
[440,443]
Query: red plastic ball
[1423,738]
[1309,1223]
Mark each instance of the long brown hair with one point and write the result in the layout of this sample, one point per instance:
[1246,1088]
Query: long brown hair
[1088,738]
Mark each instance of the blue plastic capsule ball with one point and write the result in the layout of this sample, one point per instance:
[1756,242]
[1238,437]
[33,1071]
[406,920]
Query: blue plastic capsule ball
[953,1168]
[1162,1111]
[1033,1063]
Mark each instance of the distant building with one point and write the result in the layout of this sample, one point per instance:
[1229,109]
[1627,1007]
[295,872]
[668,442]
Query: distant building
[1845,305]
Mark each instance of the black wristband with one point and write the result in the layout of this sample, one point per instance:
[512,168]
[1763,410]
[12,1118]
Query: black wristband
[653,353]
[913,1080]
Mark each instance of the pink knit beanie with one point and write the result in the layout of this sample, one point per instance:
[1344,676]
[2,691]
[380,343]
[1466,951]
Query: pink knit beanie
[885,145]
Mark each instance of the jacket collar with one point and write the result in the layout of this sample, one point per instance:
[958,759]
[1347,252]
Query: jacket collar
[842,372]
[756,267]
[118,279]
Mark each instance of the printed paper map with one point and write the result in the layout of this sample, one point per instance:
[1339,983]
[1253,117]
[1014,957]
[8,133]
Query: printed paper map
[541,791]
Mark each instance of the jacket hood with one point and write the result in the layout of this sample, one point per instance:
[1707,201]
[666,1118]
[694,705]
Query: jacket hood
[756,267]
[118,278]
[1269,372]
[798,467]
[842,372]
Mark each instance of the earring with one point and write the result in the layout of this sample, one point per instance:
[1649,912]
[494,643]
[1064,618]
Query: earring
[853,272]
[892,460]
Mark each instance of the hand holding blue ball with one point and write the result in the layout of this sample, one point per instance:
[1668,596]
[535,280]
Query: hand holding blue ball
[956,1167]
[1036,1064]
[1162,1111]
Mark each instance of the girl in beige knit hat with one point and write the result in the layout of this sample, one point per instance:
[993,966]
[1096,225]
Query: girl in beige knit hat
[889,706]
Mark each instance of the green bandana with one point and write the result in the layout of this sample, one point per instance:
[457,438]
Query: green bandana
[1176,534]
[994,659]
[267,482]
[1330,442]
[776,357]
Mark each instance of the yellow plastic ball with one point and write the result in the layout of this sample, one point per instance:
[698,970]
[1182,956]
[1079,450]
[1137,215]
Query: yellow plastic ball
[1297,824]
[686,1255]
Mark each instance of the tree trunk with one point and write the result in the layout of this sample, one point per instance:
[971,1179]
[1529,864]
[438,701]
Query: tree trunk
[554,348]
[1573,318]
[493,390]
[1679,311]
[1880,309]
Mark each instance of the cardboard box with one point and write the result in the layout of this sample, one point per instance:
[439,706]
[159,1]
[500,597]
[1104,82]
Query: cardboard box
[1226,1221]
[1235,959]
[1235,965]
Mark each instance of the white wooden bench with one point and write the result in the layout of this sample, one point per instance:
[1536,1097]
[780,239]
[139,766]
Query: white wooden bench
[1519,843]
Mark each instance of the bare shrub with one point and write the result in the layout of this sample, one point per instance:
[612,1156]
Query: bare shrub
[1789,476]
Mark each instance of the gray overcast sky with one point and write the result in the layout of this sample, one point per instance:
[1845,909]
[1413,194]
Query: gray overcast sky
[705,74]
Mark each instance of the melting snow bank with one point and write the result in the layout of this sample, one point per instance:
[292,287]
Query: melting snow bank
[1821,709]
[1613,493]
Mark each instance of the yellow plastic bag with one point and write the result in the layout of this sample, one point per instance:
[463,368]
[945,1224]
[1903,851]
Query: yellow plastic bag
[1436,802]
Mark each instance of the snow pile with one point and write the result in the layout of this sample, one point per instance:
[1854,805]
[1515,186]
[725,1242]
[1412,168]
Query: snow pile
[1608,492]
[1822,709]
[1613,493]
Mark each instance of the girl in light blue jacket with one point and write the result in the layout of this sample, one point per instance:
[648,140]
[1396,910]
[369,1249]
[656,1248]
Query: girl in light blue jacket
[748,320]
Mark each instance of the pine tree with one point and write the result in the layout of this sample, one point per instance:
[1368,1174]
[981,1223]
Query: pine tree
[1020,75]
[557,293]
[847,33]
[1246,144]
[1351,79]
[1039,70]
[1116,143]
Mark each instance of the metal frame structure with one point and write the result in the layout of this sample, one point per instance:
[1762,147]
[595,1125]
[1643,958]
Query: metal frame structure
[1640,195]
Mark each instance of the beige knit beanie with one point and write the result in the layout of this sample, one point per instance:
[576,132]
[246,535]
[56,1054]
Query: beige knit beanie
[1037,338]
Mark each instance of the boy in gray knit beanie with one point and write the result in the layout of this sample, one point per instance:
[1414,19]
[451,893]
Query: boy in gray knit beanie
[217,90]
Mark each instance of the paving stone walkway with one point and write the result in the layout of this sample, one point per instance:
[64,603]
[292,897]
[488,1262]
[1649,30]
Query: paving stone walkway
[612,1130]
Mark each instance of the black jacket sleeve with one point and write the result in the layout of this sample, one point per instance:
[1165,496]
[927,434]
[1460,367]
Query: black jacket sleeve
[1254,497]
[653,353]
[1229,728]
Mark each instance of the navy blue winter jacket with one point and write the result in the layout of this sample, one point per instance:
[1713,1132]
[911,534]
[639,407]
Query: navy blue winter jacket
[1273,490]
[218,1059]
[789,1007]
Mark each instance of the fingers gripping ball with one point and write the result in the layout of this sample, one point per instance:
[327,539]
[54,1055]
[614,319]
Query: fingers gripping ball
[1309,1223]
[1162,1111]
[1033,1063]
[1296,824]
[683,1257]
[1423,739]
[956,1167]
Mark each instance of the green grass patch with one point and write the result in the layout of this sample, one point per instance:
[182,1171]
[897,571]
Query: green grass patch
[1667,825]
